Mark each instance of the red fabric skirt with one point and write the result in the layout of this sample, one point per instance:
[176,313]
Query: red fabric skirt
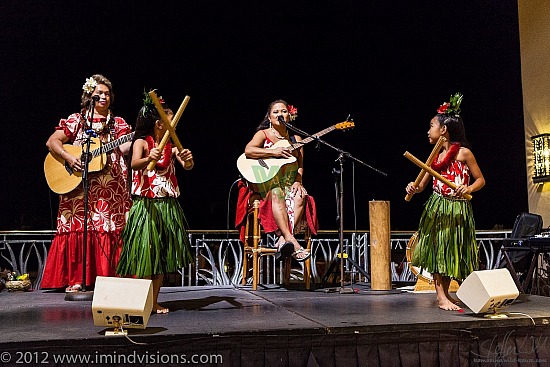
[64,262]
[266,214]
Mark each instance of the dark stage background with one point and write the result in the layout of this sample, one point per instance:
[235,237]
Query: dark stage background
[389,64]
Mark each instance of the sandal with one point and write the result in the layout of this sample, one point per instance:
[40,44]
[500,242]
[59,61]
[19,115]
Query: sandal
[73,288]
[284,251]
[159,309]
[301,250]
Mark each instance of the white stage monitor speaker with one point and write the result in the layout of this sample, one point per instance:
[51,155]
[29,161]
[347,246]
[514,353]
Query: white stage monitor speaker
[122,302]
[488,290]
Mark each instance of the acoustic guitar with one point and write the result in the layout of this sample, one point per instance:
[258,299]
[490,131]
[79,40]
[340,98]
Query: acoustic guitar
[59,175]
[265,173]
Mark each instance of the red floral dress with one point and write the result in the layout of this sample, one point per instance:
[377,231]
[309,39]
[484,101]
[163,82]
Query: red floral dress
[108,205]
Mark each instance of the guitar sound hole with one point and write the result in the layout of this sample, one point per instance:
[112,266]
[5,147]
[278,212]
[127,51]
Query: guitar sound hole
[68,168]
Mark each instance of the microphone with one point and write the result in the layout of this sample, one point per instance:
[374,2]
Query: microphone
[281,119]
[95,98]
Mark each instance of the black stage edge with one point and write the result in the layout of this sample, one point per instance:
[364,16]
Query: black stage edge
[274,326]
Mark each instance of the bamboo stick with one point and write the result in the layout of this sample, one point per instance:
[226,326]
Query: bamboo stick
[435,174]
[170,127]
[431,158]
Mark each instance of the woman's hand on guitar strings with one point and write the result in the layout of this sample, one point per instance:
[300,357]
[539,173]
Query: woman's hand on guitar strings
[76,164]
[281,152]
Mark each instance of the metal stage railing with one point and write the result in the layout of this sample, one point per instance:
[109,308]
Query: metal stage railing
[219,256]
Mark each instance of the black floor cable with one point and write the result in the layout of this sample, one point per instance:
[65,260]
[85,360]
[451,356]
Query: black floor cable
[229,203]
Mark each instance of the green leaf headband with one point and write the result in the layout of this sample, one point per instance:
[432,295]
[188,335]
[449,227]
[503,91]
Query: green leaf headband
[148,104]
[452,107]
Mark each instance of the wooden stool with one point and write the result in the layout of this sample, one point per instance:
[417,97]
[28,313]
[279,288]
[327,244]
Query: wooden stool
[252,249]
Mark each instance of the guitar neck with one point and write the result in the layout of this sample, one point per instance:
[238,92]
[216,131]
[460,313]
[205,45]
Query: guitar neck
[112,145]
[309,139]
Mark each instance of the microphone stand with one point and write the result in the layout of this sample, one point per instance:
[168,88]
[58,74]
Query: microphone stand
[85,295]
[338,260]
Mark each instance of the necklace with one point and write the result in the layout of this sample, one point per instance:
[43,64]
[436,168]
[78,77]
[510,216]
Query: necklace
[442,165]
[100,125]
[277,135]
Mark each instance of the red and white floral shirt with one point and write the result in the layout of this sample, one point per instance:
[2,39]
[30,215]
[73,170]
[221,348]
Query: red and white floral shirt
[457,172]
[160,182]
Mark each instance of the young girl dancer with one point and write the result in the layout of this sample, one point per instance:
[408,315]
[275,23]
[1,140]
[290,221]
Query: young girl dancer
[447,245]
[155,237]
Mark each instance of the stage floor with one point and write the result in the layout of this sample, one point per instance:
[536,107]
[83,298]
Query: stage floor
[42,321]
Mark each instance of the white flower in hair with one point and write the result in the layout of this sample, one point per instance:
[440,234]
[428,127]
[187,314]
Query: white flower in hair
[90,85]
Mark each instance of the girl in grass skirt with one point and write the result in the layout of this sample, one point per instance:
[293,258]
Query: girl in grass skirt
[155,237]
[447,245]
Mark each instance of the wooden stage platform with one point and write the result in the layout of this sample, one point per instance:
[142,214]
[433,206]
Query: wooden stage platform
[274,326]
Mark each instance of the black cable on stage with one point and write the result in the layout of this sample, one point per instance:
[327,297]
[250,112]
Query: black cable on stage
[228,204]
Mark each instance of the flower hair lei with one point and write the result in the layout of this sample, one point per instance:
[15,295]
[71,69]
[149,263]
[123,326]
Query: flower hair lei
[452,107]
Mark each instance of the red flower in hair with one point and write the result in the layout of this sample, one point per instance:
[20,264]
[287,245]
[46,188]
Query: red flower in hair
[452,107]
[443,108]
[293,112]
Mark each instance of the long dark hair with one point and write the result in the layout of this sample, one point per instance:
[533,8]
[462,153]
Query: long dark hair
[265,122]
[455,127]
[145,126]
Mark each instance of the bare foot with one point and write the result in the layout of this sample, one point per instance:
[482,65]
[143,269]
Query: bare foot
[160,309]
[447,305]
[452,299]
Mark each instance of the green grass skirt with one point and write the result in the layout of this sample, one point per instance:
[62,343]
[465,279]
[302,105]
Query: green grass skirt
[155,239]
[447,238]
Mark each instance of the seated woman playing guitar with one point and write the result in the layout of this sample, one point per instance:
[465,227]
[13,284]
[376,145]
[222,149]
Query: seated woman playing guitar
[284,198]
